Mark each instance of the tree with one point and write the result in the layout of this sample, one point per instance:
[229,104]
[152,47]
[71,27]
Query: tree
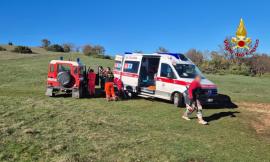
[162,50]
[87,49]
[45,43]
[98,50]
[93,50]
[260,64]
[68,47]
[195,56]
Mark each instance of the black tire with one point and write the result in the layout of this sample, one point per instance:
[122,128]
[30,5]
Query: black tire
[178,100]
[64,78]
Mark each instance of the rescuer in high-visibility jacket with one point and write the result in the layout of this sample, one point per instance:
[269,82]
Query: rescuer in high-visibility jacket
[193,100]
[109,82]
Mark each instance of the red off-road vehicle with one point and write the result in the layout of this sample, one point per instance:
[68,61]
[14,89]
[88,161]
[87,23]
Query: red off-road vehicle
[68,77]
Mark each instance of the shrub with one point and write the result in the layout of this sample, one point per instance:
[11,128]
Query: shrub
[2,49]
[55,48]
[22,49]
[103,56]
[241,69]
[107,57]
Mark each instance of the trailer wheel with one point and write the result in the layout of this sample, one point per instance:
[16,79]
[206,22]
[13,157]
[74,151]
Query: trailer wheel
[178,100]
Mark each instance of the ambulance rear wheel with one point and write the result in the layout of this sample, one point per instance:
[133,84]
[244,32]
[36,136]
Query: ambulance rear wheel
[178,100]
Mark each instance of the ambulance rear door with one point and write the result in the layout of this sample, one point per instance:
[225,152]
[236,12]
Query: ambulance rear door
[118,66]
[130,72]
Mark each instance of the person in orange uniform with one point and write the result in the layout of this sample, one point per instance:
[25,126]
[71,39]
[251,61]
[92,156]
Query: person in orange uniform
[91,82]
[109,88]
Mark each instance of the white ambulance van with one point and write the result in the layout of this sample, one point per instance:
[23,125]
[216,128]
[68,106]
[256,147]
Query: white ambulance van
[161,75]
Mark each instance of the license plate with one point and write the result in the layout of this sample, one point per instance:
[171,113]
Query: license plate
[210,100]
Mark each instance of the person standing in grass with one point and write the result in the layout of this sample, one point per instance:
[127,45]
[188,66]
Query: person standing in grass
[109,82]
[101,75]
[91,82]
[193,101]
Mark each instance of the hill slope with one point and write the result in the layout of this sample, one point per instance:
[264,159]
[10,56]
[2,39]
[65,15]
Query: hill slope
[34,127]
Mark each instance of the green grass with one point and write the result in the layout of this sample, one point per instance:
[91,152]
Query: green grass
[34,127]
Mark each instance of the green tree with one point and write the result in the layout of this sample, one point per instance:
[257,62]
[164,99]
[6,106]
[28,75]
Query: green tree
[45,43]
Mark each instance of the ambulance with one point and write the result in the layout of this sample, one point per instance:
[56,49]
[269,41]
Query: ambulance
[161,75]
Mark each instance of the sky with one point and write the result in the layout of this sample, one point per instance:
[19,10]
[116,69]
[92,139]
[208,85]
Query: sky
[129,25]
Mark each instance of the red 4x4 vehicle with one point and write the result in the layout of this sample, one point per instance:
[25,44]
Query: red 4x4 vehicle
[68,77]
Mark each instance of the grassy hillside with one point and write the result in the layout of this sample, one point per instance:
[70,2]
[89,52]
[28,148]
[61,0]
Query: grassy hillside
[34,127]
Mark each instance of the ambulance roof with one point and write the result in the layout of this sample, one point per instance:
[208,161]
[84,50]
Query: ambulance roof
[174,57]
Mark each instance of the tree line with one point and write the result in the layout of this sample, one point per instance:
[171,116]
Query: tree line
[224,63]
[209,62]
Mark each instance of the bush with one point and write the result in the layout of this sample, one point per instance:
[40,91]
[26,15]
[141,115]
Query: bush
[55,48]
[2,49]
[22,49]
[107,57]
[240,69]
[103,56]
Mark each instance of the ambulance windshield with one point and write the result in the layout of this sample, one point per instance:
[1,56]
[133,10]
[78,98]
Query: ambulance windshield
[187,70]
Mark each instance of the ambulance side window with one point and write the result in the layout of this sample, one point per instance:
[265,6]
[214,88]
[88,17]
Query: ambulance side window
[167,71]
[131,66]
[118,65]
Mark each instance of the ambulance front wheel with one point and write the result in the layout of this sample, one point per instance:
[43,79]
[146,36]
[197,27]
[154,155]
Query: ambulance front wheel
[178,100]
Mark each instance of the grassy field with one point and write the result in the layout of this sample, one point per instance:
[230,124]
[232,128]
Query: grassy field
[34,127]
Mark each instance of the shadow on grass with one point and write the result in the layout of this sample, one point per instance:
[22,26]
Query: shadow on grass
[221,101]
[219,115]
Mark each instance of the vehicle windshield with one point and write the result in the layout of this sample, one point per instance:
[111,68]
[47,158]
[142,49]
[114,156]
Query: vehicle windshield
[187,70]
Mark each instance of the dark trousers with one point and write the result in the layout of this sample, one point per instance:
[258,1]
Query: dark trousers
[102,82]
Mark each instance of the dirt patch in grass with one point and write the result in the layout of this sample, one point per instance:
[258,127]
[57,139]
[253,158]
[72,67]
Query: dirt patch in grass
[257,107]
[262,124]
[261,111]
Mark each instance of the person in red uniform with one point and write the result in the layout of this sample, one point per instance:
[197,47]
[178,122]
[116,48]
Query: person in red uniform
[120,87]
[193,102]
[91,82]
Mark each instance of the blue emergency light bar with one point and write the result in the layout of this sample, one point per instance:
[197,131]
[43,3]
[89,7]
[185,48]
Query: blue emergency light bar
[78,60]
[128,53]
[176,55]
[61,58]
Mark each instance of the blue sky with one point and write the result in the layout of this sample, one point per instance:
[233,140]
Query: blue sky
[128,25]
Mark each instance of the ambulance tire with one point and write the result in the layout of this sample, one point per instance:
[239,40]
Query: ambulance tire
[178,99]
